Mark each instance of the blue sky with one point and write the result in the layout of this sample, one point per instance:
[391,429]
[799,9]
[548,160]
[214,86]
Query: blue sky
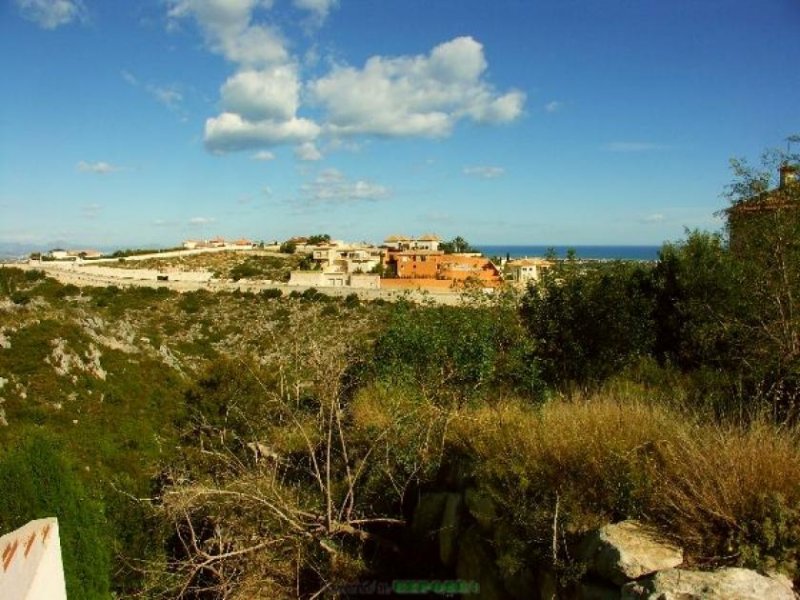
[510,121]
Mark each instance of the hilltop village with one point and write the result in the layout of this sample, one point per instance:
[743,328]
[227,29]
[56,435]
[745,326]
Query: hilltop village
[424,263]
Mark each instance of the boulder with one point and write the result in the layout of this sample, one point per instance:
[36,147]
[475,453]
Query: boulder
[628,550]
[724,584]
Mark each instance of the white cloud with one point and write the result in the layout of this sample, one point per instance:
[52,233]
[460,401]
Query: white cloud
[553,106]
[654,218]
[484,172]
[168,95]
[129,77]
[307,151]
[633,146]
[266,94]
[229,132]
[201,220]
[332,187]
[263,155]
[229,31]
[100,167]
[319,8]
[50,14]
[423,95]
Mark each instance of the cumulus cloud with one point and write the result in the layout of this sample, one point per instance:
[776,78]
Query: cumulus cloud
[265,94]
[307,151]
[422,95]
[484,172]
[229,132]
[333,187]
[100,167]
[50,14]
[632,146]
[263,155]
[201,220]
[261,99]
[228,29]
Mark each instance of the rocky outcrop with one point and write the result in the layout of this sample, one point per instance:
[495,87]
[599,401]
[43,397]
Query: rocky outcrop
[723,584]
[624,551]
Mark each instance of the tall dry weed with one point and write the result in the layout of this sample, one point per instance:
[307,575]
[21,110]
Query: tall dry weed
[729,494]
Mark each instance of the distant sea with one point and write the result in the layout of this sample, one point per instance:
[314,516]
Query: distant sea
[593,252]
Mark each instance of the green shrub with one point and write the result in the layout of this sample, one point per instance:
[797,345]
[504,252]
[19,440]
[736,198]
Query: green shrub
[10,280]
[589,322]
[470,348]
[352,301]
[20,298]
[37,481]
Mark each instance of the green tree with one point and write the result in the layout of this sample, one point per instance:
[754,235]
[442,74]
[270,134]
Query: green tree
[590,321]
[457,245]
[288,247]
[699,303]
[320,238]
[764,230]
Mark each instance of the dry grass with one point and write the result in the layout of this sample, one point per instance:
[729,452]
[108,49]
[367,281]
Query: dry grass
[727,494]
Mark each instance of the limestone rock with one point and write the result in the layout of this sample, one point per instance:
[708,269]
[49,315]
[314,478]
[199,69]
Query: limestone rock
[628,550]
[724,584]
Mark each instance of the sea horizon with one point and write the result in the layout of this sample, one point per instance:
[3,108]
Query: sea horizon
[594,252]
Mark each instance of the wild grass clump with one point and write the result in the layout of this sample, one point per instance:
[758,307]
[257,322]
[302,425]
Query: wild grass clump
[728,494]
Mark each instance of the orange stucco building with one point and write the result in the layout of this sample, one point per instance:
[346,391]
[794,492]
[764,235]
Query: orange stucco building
[436,265]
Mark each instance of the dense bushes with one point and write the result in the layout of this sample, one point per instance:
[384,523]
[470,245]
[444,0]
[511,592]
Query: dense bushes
[460,350]
[588,322]
[726,321]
